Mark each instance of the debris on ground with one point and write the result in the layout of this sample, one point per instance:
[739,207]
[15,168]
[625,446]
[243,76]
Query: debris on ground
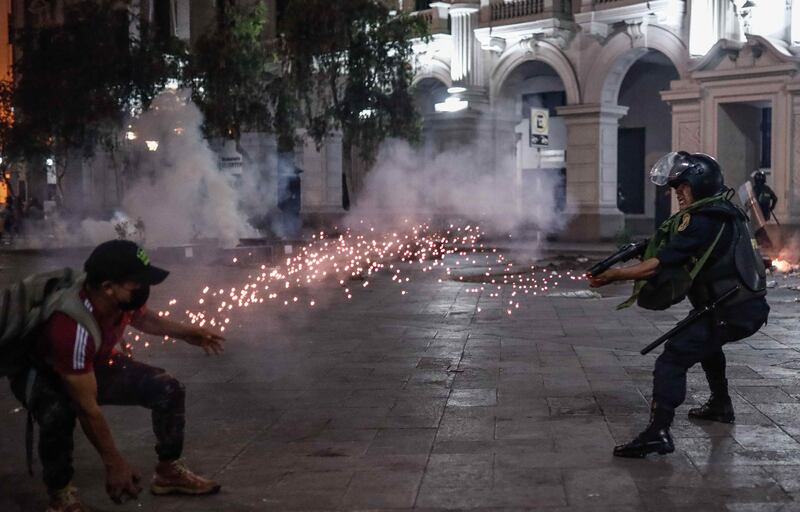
[577,294]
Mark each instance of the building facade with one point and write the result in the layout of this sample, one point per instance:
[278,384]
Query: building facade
[609,85]
[623,82]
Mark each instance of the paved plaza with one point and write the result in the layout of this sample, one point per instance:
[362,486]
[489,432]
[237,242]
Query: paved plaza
[419,401]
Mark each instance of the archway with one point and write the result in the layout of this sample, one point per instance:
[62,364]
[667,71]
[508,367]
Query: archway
[428,91]
[527,101]
[645,134]
[603,81]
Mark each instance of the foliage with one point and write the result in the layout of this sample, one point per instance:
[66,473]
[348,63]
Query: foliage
[343,65]
[350,65]
[80,80]
[231,72]
[6,115]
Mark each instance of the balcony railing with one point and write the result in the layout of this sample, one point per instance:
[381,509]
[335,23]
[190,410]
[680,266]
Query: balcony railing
[515,11]
[599,5]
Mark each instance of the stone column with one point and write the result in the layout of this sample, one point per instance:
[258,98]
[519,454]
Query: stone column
[793,181]
[686,123]
[182,20]
[592,171]
[332,179]
[260,172]
[321,197]
[465,67]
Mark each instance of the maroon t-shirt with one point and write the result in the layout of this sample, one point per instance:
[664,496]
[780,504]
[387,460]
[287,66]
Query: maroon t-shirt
[69,348]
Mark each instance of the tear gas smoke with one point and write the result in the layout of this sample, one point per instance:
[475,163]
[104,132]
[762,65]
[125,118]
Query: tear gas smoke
[462,183]
[177,190]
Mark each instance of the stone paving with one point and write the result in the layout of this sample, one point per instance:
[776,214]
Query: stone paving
[418,401]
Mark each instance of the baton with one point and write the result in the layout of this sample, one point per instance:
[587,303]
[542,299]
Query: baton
[690,320]
[776,218]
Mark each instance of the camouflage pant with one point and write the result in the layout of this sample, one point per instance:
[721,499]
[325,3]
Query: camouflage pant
[125,382]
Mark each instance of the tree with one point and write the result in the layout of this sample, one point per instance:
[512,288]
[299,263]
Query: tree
[231,71]
[80,80]
[349,63]
[6,128]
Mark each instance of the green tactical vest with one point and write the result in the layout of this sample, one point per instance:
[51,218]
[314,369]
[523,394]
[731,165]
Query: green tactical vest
[672,288]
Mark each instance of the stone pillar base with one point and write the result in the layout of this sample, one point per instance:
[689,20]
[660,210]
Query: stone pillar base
[593,227]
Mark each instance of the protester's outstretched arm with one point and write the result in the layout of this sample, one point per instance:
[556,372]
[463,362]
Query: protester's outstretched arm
[150,323]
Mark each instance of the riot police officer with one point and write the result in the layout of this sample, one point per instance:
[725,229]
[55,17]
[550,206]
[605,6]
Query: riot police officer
[764,195]
[703,251]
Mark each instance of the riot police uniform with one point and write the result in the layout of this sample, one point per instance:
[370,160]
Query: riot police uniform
[764,195]
[716,232]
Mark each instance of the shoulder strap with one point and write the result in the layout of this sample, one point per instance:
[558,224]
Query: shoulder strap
[69,302]
[725,208]
[702,261]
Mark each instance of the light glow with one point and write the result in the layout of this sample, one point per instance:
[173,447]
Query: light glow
[452,104]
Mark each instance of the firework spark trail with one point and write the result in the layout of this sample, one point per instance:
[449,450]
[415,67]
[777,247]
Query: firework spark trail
[352,260]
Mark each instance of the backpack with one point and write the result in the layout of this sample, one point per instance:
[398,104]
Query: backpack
[28,304]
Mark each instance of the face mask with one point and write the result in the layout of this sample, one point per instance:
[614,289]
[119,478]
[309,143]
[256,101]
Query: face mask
[138,299]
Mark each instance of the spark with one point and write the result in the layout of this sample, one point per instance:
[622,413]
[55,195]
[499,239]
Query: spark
[339,258]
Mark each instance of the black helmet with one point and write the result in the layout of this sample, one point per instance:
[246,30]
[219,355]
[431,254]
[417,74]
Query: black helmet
[759,177]
[699,170]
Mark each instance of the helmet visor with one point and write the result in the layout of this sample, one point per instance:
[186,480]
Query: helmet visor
[668,168]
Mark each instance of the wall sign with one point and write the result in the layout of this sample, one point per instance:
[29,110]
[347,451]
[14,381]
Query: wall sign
[540,127]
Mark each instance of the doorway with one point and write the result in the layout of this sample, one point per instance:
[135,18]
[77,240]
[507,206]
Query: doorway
[630,170]
[744,139]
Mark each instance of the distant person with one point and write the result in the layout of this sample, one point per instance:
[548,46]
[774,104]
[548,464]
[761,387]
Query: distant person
[72,374]
[765,197]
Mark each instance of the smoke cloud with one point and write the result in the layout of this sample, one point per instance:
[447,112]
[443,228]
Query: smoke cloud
[463,184]
[176,188]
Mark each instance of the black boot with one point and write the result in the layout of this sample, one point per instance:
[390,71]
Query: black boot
[654,439]
[717,408]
